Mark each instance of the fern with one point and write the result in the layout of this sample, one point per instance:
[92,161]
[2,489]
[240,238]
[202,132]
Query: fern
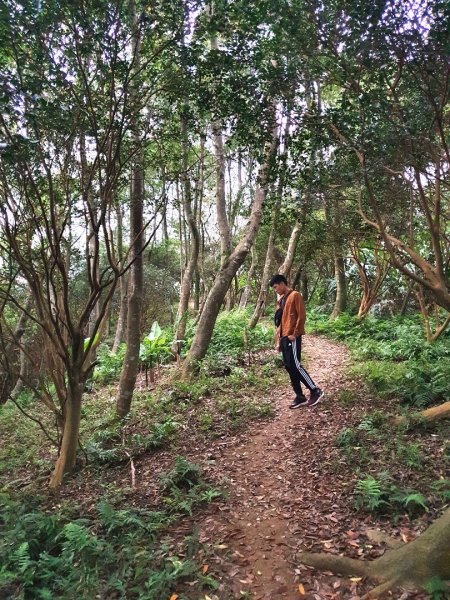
[370,494]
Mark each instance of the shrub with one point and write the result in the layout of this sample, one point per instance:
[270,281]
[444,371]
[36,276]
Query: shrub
[109,364]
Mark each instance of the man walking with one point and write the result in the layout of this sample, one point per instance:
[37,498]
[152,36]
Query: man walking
[290,320]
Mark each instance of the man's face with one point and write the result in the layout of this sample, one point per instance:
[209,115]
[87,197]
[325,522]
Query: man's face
[279,288]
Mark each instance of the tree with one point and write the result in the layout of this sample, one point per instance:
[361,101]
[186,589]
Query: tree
[230,267]
[69,142]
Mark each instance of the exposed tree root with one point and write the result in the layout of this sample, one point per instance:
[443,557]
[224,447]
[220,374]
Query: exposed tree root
[412,565]
[337,564]
[380,590]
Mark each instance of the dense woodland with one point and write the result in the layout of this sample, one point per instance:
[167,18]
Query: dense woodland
[159,162]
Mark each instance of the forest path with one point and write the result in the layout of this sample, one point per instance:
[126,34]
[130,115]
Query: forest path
[287,492]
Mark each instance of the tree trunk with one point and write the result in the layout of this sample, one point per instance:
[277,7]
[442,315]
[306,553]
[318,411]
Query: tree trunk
[413,564]
[304,287]
[286,267]
[68,451]
[439,328]
[262,297]
[223,279]
[191,267]
[248,284]
[123,283]
[119,336]
[133,336]
[221,205]
[341,286]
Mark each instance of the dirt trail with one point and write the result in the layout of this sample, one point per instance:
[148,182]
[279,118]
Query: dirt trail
[278,492]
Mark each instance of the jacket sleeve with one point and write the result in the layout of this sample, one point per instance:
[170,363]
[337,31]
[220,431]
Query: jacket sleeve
[299,326]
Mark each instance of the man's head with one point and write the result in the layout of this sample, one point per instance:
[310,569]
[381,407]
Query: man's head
[279,284]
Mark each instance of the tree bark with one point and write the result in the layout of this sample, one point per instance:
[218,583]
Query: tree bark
[286,267]
[340,303]
[436,413]
[370,288]
[248,284]
[262,297]
[123,287]
[191,267]
[133,336]
[68,451]
[223,279]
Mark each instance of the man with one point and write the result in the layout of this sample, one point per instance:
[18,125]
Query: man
[290,319]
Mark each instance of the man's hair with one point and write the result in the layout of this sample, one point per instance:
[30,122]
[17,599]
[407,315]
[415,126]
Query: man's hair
[277,279]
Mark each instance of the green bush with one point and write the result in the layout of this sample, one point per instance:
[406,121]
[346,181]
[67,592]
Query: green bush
[109,364]
[395,360]
[231,336]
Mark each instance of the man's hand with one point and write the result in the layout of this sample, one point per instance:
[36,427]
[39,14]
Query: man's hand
[291,338]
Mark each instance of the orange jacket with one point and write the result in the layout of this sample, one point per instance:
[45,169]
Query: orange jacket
[294,315]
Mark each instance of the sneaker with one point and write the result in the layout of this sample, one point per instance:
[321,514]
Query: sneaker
[315,397]
[299,401]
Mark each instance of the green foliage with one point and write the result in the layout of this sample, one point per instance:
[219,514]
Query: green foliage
[232,338]
[347,438]
[155,347]
[112,552]
[370,494]
[108,446]
[411,454]
[109,364]
[373,422]
[396,361]
[441,487]
[381,495]
[184,475]
[438,588]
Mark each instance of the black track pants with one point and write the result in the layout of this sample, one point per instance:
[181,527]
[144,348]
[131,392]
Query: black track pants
[291,358]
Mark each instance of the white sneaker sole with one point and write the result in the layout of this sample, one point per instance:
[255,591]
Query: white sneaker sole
[317,401]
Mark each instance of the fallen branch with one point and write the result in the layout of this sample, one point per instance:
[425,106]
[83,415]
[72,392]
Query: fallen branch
[436,413]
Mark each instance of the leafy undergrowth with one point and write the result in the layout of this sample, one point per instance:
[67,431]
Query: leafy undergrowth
[111,550]
[399,470]
[392,356]
[124,526]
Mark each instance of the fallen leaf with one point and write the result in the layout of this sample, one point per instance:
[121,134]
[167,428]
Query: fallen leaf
[355,579]
[174,597]
[301,589]
[204,569]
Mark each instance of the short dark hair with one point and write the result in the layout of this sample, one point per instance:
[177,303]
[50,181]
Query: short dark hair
[277,279]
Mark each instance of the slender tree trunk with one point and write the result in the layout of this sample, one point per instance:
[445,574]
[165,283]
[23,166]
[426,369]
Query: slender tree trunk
[340,303]
[223,279]
[262,297]
[191,267]
[133,336]
[68,451]
[22,375]
[248,284]
[304,288]
[123,287]
[286,267]
[406,298]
